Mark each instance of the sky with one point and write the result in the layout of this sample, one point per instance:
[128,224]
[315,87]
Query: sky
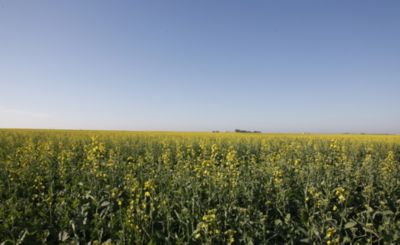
[275,66]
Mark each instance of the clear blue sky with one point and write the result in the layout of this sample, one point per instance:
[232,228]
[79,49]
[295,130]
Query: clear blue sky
[275,66]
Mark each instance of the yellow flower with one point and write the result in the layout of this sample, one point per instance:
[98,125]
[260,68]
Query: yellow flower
[330,232]
[203,226]
[340,192]
[149,185]
[147,194]
[231,156]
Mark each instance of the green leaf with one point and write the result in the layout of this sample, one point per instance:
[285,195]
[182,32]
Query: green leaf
[105,203]
[350,224]
[63,236]
[305,240]
[278,222]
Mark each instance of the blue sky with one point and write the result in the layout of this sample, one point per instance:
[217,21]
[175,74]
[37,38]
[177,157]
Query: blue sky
[275,66]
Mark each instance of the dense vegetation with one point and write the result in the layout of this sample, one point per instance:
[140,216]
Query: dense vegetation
[174,188]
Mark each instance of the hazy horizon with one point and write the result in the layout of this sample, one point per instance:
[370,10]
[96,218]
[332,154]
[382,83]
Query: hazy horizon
[282,66]
[250,131]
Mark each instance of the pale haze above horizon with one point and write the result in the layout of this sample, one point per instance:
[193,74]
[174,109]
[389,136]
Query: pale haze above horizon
[274,66]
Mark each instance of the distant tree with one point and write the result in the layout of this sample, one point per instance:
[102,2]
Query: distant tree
[247,131]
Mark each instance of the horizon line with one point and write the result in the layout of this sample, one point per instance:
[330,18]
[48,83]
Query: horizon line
[203,131]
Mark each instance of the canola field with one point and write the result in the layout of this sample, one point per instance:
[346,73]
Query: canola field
[109,187]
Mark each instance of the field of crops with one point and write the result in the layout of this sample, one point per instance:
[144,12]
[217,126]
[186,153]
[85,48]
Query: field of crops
[198,188]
